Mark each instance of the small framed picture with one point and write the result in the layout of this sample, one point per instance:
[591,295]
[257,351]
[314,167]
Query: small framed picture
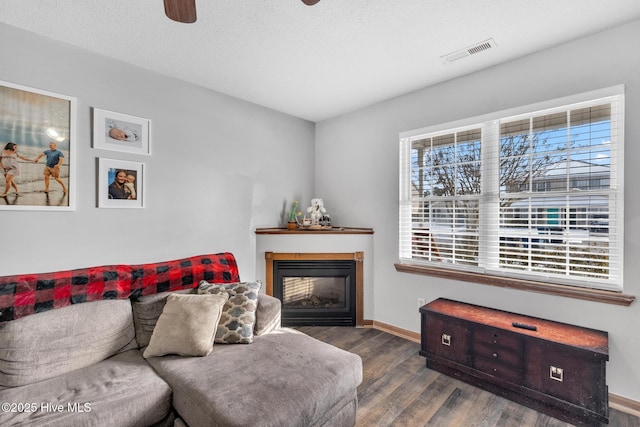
[121,132]
[37,149]
[120,184]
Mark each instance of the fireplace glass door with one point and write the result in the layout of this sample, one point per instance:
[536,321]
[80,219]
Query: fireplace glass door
[316,292]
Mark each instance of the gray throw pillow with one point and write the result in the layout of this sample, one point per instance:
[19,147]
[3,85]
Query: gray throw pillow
[186,326]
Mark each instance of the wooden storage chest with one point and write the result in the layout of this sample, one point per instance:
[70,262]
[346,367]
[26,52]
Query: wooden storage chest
[555,368]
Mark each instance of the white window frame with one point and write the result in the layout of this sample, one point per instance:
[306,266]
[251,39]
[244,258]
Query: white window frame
[489,199]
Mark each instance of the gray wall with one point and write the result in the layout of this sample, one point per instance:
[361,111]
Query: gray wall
[361,185]
[219,166]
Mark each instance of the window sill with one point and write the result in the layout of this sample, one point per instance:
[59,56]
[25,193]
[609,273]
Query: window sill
[608,297]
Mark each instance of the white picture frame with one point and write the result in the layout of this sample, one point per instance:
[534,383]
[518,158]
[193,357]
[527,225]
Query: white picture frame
[121,132]
[33,119]
[115,192]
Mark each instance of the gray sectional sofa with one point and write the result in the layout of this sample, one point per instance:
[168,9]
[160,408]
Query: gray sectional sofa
[83,365]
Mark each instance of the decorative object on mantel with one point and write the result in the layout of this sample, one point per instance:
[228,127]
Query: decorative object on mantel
[319,216]
[292,218]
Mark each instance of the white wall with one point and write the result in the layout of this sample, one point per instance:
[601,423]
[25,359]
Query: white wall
[219,166]
[361,184]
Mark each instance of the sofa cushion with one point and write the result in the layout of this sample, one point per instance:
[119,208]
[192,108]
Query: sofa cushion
[38,347]
[239,312]
[120,391]
[283,378]
[187,325]
[147,310]
[268,315]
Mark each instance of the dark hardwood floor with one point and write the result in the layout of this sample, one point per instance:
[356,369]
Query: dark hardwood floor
[398,390]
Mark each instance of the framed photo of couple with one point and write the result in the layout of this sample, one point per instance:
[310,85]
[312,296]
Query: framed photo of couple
[37,149]
[120,184]
[121,132]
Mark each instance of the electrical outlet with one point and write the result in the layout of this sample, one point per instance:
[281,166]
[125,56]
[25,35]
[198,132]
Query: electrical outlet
[421,302]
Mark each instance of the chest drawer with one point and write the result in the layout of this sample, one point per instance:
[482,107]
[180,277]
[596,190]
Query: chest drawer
[498,369]
[573,376]
[497,337]
[498,346]
[445,337]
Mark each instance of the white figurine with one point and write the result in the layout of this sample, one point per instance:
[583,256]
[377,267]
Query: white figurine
[316,210]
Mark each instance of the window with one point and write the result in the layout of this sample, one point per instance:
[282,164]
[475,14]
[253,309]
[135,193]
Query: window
[535,195]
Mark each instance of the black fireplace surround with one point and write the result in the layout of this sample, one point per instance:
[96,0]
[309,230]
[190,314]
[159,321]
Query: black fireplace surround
[316,293]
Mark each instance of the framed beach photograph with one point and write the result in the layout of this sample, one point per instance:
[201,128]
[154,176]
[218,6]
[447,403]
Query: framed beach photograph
[121,132]
[120,184]
[37,149]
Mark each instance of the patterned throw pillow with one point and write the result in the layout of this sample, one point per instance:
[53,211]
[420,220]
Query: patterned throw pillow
[239,312]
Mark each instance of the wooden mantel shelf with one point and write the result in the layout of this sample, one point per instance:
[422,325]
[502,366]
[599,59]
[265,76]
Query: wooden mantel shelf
[327,230]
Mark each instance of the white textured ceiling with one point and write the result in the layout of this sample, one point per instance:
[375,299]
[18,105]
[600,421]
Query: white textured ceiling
[320,61]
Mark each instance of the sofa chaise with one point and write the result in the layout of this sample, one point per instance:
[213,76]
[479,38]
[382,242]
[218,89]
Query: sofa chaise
[75,350]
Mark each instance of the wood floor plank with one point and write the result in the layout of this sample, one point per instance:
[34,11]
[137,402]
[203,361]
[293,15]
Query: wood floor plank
[378,386]
[454,411]
[387,410]
[485,410]
[424,407]
[517,415]
[386,363]
[398,389]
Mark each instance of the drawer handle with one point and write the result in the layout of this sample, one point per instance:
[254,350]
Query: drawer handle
[495,355]
[556,373]
[446,339]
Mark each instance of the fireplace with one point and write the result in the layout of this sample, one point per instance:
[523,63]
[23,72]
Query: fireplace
[317,289]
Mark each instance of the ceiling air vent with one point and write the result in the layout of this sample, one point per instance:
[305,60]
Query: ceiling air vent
[471,50]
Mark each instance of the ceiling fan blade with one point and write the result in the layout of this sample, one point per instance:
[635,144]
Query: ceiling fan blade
[181,10]
[310,2]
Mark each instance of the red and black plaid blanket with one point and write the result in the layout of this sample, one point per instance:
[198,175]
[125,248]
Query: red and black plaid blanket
[25,294]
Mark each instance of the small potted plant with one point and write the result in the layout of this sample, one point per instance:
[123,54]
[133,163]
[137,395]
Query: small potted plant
[292,222]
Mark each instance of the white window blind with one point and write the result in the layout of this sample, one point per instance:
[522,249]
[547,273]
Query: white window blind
[537,195]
